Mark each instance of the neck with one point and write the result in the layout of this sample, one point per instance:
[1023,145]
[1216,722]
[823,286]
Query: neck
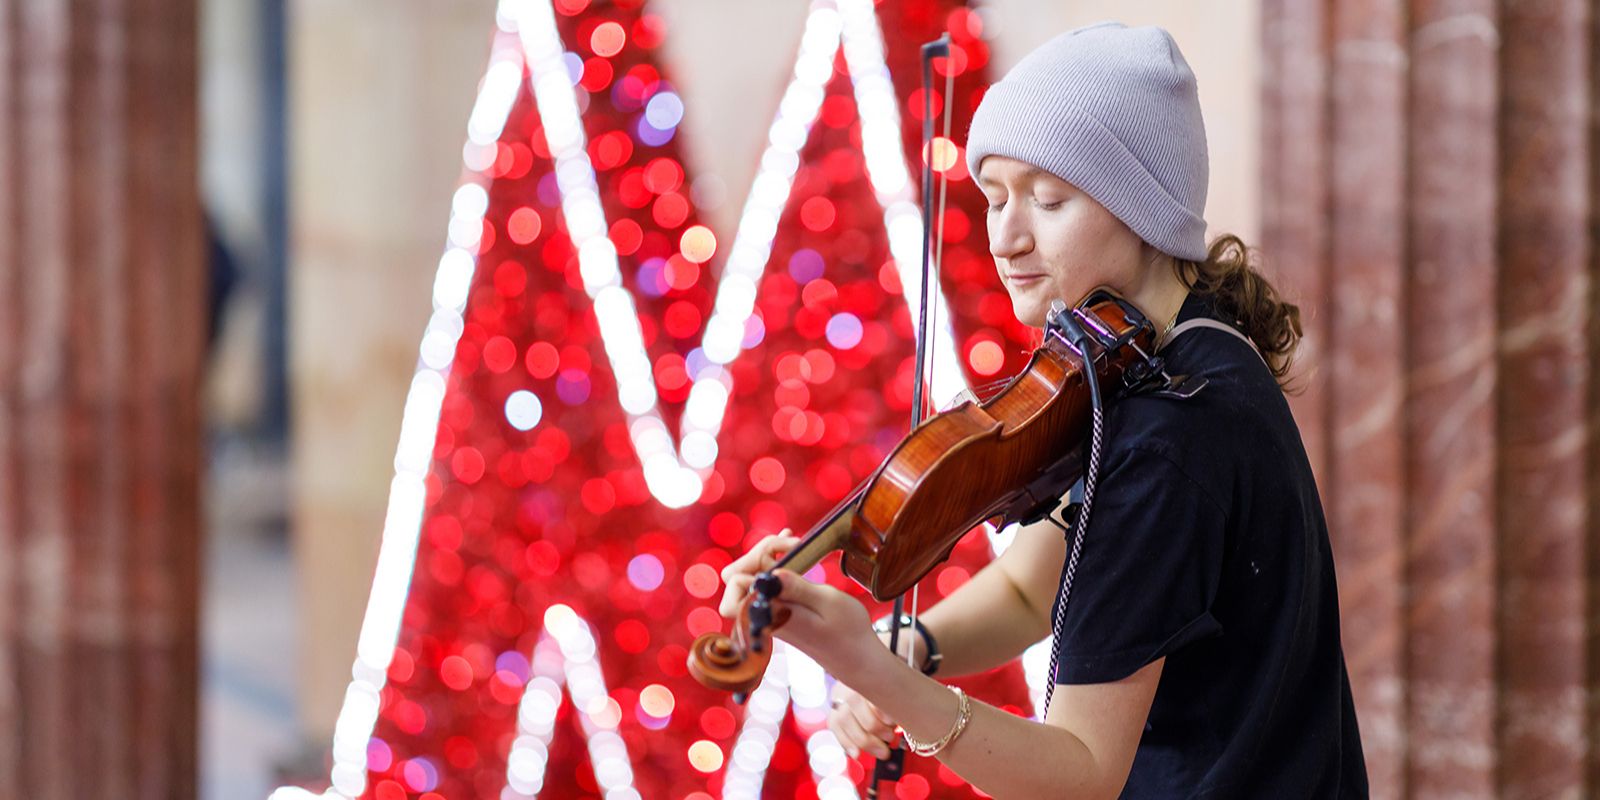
[1161,297]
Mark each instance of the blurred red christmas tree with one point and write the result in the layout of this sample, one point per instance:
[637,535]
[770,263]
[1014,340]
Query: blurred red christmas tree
[613,401]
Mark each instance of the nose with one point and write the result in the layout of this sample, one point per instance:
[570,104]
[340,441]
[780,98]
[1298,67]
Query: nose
[1009,234]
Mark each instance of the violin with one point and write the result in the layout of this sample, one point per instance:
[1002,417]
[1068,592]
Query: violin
[1009,457]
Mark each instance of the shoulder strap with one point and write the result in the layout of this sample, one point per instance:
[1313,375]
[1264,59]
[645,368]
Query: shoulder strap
[1207,322]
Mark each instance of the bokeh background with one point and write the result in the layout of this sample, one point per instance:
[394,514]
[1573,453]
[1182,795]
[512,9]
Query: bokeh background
[220,238]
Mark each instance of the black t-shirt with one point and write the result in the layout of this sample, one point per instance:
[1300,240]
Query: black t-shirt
[1206,544]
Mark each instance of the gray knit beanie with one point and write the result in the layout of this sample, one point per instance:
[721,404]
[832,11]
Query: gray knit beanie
[1113,111]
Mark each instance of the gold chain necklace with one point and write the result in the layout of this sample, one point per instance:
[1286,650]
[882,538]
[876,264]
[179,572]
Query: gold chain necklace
[1162,339]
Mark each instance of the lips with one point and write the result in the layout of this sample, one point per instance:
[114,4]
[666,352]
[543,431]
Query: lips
[1023,277]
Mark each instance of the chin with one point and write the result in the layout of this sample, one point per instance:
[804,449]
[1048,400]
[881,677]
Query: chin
[1030,312]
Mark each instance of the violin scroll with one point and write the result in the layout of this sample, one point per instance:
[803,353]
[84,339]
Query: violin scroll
[736,662]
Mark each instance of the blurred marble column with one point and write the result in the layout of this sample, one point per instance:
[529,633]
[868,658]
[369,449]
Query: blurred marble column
[1451,447]
[1294,191]
[101,333]
[1459,343]
[1546,350]
[1365,360]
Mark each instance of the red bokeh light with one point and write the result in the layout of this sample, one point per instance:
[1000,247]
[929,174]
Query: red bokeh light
[608,39]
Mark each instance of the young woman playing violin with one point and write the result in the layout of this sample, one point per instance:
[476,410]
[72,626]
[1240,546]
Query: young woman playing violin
[1198,654]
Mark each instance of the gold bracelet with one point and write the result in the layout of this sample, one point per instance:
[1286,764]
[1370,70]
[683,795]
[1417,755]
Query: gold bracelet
[963,715]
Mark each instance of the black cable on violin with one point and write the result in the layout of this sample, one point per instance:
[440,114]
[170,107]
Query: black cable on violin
[1079,340]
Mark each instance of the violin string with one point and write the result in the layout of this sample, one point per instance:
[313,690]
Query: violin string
[984,392]
[987,391]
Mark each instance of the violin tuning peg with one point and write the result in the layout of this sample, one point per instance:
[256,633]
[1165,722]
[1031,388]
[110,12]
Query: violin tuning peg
[769,585]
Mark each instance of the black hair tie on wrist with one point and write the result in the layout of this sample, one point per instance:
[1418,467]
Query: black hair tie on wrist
[930,663]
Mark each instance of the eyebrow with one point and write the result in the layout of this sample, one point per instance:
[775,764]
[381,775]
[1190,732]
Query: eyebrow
[1029,172]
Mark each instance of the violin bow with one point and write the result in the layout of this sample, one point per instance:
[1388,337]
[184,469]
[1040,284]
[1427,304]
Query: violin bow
[893,766]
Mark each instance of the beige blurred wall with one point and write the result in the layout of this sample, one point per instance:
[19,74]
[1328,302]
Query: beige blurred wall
[379,98]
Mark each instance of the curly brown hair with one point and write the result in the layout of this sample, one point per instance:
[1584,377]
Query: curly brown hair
[1229,276]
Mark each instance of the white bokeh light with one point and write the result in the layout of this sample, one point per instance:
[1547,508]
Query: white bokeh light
[523,410]
[565,656]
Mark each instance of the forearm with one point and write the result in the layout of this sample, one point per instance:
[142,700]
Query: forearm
[983,624]
[1005,755]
